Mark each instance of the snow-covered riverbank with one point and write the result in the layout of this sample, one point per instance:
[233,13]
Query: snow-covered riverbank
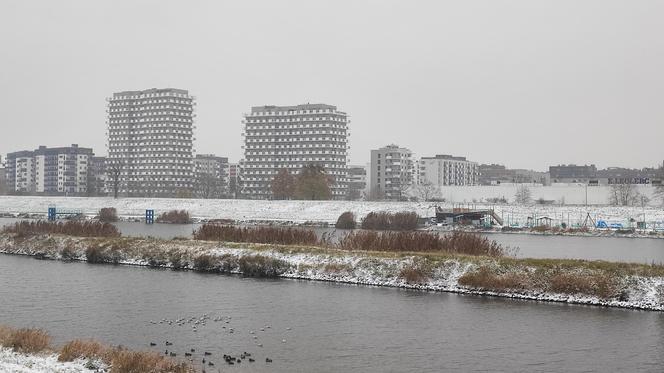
[571,281]
[16,362]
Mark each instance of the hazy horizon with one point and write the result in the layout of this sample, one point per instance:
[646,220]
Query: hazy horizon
[521,83]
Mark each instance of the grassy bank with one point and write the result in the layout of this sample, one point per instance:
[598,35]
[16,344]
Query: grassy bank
[92,354]
[576,281]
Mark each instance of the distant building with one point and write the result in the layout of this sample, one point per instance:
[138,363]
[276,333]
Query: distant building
[619,175]
[211,174]
[392,172]
[573,174]
[495,174]
[3,178]
[443,170]
[150,142]
[49,171]
[234,180]
[357,181]
[290,137]
[97,177]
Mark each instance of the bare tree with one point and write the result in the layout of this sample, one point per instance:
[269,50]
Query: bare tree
[522,195]
[114,171]
[624,195]
[209,186]
[427,191]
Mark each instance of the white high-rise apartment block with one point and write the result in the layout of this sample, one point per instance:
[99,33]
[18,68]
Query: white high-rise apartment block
[150,138]
[445,169]
[290,137]
[391,172]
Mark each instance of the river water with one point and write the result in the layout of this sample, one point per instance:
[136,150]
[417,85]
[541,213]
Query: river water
[323,327]
[622,249]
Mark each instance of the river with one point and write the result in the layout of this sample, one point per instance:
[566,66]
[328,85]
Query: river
[323,327]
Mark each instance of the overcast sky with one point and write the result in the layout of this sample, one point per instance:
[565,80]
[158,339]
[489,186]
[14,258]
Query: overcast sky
[523,83]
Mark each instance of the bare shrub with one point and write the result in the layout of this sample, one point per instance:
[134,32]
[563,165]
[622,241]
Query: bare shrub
[485,278]
[78,348]
[346,221]
[457,242]
[601,285]
[108,215]
[414,274]
[28,340]
[275,235]
[400,221]
[125,361]
[97,254]
[177,260]
[262,266]
[68,252]
[70,228]
[174,217]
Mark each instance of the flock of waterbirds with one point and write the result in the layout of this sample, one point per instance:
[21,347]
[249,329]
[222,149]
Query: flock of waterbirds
[206,357]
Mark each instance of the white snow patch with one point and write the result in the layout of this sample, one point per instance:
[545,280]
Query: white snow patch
[15,362]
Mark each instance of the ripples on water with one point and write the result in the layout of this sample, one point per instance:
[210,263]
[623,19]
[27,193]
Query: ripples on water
[334,328]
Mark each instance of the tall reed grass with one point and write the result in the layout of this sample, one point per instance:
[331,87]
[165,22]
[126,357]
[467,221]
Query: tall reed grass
[456,242]
[70,228]
[400,221]
[119,359]
[274,235]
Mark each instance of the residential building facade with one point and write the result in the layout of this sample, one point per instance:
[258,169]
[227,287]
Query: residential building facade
[357,182]
[573,174]
[392,172]
[150,142]
[211,174]
[443,170]
[49,171]
[290,137]
[97,176]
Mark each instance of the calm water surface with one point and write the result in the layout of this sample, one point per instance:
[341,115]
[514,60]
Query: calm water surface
[333,328]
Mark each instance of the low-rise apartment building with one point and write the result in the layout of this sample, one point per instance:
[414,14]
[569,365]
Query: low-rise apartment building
[443,170]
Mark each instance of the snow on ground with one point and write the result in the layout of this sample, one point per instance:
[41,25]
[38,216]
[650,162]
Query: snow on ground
[339,266]
[14,362]
[315,211]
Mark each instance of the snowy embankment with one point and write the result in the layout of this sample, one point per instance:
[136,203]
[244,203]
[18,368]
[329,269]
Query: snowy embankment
[16,362]
[313,211]
[571,281]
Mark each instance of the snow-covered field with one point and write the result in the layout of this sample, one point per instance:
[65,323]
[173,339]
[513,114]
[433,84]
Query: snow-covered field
[15,362]
[315,211]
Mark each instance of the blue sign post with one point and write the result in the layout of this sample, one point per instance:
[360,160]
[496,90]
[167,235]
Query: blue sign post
[149,216]
[51,214]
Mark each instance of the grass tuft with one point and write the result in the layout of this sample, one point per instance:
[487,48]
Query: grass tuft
[262,266]
[108,215]
[174,217]
[346,221]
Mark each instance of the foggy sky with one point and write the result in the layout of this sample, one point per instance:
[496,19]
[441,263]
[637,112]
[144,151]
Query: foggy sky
[523,83]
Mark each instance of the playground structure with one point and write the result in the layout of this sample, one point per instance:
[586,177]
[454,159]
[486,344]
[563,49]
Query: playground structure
[54,213]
